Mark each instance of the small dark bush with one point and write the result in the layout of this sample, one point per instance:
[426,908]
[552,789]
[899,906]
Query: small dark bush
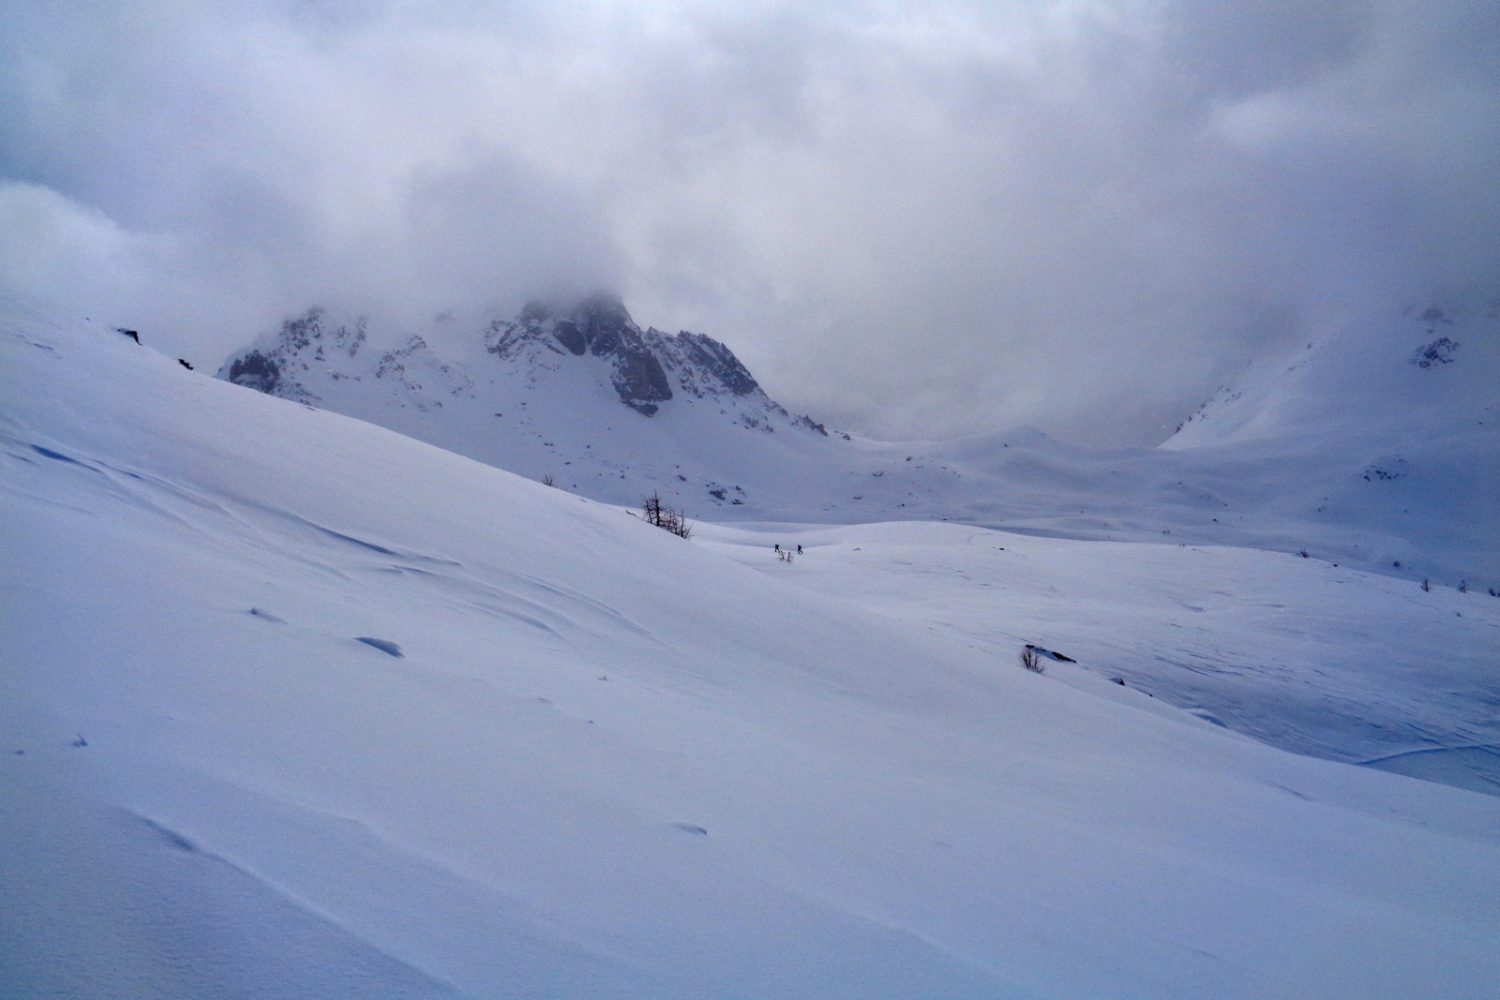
[1030,660]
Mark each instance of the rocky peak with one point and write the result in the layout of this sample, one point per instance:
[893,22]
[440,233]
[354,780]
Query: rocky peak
[645,369]
[312,331]
[274,365]
[597,325]
[701,354]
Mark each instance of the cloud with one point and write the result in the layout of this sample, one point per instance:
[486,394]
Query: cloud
[911,219]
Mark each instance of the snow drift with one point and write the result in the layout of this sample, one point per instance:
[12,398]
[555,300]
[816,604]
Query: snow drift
[607,762]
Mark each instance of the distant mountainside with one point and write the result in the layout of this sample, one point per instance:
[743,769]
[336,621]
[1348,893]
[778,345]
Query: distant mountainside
[575,392]
[1432,371]
[1377,445]
[311,354]
[1393,426]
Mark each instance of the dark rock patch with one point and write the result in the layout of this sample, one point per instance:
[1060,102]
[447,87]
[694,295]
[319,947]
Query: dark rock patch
[384,645]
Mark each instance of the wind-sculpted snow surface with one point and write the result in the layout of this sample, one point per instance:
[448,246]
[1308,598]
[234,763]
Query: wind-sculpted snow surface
[1307,656]
[610,762]
[1359,449]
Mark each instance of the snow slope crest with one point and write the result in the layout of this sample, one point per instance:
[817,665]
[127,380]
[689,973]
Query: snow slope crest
[1434,370]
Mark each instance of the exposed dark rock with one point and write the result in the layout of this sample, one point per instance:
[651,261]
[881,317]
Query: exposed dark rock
[599,326]
[133,335]
[717,361]
[645,368]
[813,425]
[1050,654]
[571,337]
[1439,352]
[639,377]
[384,645]
[254,370]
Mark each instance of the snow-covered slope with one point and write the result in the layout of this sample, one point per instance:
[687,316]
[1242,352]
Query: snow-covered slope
[577,392]
[295,706]
[1377,447]
[1310,657]
[1393,427]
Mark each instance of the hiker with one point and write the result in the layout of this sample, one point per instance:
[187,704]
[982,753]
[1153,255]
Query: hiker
[799,549]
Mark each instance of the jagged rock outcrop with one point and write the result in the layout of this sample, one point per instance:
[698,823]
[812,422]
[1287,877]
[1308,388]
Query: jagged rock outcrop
[275,363]
[704,366]
[647,367]
[310,354]
[311,350]
[598,326]
[254,370]
[1439,352]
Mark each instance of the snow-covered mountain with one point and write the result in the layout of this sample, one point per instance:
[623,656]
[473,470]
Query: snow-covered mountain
[1430,371]
[575,392]
[1391,428]
[1377,445]
[294,706]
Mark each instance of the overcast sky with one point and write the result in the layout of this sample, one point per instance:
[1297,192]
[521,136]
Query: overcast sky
[907,219]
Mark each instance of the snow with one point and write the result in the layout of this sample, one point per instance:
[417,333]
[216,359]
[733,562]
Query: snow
[1346,449]
[610,762]
[1314,658]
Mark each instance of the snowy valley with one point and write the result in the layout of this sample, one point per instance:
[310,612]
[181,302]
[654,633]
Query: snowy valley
[324,695]
[1357,448]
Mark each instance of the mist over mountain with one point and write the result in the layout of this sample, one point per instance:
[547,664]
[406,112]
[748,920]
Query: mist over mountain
[298,707]
[1376,445]
[914,222]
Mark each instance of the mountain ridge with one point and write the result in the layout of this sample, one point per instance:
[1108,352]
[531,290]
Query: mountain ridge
[645,368]
[1351,448]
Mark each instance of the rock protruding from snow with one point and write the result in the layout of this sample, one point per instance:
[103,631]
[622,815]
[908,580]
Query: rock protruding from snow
[304,359]
[600,326]
[647,368]
[275,363]
[544,393]
[643,368]
[1439,352]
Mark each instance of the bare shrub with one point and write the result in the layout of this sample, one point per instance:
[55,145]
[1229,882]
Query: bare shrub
[1031,660]
[664,516]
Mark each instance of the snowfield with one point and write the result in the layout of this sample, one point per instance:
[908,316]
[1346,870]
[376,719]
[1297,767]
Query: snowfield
[1302,654]
[294,706]
[1376,445]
